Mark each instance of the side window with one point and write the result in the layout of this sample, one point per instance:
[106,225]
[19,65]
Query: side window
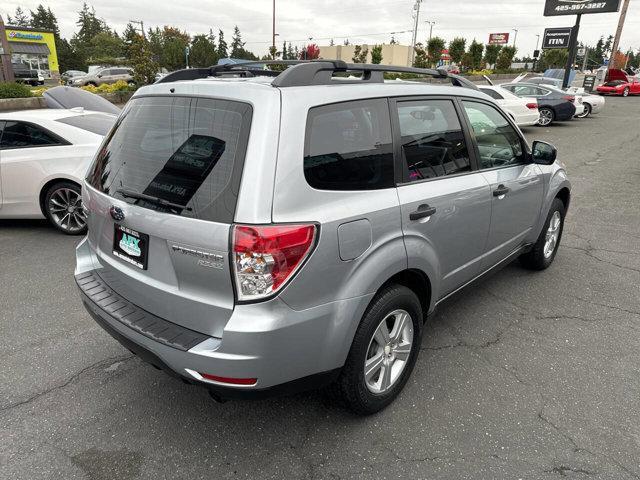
[499,144]
[433,143]
[492,93]
[540,92]
[106,72]
[24,135]
[348,146]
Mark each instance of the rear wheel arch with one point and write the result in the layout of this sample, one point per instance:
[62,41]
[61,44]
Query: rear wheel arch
[415,280]
[45,188]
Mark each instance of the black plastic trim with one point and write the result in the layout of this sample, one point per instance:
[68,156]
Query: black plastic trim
[102,300]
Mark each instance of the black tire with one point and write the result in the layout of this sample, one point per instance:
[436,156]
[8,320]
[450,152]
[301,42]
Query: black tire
[546,111]
[93,84]
[587,111]
[536,259]
[54,195]
[625,92]
[350,387]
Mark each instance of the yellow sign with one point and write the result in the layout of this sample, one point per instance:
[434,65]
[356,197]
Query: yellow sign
[31,36]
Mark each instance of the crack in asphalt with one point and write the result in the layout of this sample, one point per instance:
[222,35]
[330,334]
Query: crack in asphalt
[69,381]
[613,307]
[563,469]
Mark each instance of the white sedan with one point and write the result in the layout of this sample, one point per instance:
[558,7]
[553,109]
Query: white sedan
[524,111]
[592,103]
[44,155]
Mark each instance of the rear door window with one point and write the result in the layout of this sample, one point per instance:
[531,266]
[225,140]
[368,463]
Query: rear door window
[348,146]
[182,150]
[27,135]
[492,93]
[433,143]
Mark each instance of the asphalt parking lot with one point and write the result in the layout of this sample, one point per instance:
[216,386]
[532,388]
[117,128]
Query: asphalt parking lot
[528,375]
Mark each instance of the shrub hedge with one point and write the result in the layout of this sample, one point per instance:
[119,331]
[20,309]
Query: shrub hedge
[14,90]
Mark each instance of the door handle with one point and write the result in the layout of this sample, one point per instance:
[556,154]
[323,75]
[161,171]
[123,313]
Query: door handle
[501,191]
[423,211]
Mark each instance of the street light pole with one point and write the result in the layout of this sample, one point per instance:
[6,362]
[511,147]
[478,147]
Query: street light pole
[431,24]
[412,52]
[515,37]
[273,35]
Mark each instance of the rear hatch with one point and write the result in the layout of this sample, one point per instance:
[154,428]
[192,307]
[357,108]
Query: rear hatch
[162,196]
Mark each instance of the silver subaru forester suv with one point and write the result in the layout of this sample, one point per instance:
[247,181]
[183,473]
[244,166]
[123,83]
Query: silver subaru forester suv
[259,232]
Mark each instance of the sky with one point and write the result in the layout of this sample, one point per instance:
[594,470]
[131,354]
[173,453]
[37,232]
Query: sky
[370,22]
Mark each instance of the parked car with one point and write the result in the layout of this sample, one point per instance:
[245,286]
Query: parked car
[69,75]
[592,103]
[105,76]
[523,110]
[23,73]
[553,105]
[44,155]
[624,88]
[267,234]
[555,82]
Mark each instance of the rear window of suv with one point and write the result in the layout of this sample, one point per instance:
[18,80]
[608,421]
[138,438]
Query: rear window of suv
[183,155]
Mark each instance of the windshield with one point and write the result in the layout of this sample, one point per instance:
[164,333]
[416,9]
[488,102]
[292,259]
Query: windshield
[184,151]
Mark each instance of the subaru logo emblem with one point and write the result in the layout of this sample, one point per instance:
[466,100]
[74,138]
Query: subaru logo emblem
[116,213]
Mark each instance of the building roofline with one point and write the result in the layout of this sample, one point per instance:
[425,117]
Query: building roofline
[28,29]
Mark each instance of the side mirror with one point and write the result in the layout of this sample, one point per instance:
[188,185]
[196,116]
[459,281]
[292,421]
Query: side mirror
[543,153]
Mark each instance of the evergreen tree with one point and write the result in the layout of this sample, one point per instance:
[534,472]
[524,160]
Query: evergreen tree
[505,58]
[144,67]
[435,46]
[420,58]
[20,18]
[203,52]
[237,45]
[44,18]
[476,50]
[360,54]
[491,54]
[222,45]
[457,48]
[376,54]
[291,54]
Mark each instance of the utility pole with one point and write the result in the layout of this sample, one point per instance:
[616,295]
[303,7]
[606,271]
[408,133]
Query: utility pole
[141,23]
[515,37]
[616,40]
[273,37]
[416,18]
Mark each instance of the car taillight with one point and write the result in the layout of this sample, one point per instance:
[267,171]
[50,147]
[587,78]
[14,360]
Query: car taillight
[532,106]
[266,256]
[570,98]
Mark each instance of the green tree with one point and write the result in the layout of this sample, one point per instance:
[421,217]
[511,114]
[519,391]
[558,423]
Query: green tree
[89,25]
[606,49]
[476,50]
[203,52]
[285,53]
[19,19]
[554,58]
[376,54]
[491,53]
[505,58]
[457,49]
[174,43]
[360,54]
[435,46]
[107,45]
[420,58]
[222,46]
[44,18]
[144,67]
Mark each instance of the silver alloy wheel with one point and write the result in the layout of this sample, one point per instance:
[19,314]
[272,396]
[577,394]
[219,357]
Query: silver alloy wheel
[553,233]
[546,117]
[388,351]
[65,207]
[587,111]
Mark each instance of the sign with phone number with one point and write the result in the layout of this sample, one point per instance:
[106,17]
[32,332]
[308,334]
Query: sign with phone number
[573,7]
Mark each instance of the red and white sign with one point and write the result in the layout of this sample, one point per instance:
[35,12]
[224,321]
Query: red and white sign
[498,38]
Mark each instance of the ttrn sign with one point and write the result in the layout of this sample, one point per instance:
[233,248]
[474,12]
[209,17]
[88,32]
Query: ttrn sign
[574,7]
[556,38]
[498,38]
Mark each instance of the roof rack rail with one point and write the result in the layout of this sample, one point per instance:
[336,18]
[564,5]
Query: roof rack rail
[311,72]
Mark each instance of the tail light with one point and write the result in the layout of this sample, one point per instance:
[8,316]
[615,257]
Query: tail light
[266,256]
[532,106]
[570,98]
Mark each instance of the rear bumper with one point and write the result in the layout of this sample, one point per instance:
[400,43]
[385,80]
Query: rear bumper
[284,349]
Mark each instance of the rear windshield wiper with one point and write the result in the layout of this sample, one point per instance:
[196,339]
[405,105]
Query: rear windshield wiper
[150,198]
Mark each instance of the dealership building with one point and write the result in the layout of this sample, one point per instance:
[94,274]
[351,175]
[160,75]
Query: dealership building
[35,48]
